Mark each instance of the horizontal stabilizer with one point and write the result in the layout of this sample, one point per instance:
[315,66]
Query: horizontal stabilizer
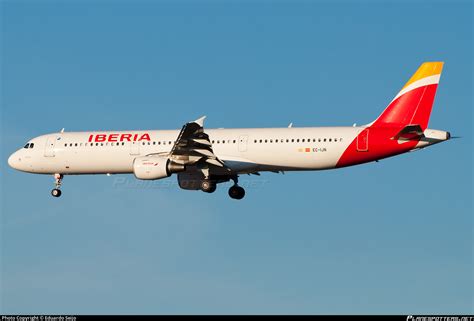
[409,132]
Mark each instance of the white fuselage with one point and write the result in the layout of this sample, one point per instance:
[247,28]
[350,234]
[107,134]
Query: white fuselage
[243,150]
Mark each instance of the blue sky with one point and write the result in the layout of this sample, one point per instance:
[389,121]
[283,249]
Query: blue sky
[387,237]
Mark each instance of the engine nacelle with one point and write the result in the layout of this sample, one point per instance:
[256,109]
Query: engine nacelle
[155,167]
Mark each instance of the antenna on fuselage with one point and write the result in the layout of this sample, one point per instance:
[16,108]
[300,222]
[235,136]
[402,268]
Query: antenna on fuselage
[62,131]
[290,125]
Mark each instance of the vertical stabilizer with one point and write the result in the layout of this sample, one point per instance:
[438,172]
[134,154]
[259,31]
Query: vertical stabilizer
[413,104]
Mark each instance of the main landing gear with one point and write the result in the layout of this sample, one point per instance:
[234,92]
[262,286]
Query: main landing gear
[208,186]
[56,192]
[235,191]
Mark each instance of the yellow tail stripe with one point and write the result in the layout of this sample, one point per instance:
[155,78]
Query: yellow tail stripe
[426,69]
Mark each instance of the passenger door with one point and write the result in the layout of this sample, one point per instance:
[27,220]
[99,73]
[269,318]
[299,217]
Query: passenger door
[49,148]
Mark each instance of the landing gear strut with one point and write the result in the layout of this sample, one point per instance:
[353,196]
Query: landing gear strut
[235,191]
[56,192]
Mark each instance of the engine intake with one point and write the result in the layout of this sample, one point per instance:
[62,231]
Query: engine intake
[155,167]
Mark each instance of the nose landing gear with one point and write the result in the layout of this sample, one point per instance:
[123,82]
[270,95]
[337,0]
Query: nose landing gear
[56,192]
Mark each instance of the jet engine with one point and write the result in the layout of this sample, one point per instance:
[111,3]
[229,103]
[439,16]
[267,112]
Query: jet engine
[155,167]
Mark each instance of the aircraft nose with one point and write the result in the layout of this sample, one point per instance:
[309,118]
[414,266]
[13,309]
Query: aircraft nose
[12,160]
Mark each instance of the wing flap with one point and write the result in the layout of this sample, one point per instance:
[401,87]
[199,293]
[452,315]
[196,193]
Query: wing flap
[215,162]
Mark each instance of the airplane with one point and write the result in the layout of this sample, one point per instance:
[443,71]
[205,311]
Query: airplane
[202,158]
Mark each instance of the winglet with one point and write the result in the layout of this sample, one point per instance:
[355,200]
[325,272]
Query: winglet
[200,121]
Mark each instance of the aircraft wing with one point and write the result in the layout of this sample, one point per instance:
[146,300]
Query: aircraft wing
[193,146]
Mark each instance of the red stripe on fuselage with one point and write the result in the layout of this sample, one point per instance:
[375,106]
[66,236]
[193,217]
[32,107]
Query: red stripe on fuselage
[380,145]
[414,107]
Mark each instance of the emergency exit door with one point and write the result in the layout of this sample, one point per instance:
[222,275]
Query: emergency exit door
[134,148]
[243,143]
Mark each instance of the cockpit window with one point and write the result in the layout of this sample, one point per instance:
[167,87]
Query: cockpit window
[27,145]
[32,145]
